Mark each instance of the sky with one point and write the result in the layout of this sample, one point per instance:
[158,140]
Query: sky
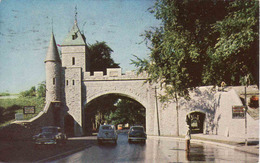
[26,26]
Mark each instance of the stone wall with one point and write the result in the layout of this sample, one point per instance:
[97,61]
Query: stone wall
[25,129]
[217,107]
[72,98]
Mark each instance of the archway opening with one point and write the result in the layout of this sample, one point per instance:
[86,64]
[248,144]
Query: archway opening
[69,125]
[195,121]
[116,109]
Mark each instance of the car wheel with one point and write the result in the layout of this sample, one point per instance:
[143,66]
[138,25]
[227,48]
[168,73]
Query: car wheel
[99,141]
[129,141]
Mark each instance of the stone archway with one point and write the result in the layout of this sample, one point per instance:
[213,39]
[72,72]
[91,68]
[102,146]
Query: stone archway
[90,113]
[195,121]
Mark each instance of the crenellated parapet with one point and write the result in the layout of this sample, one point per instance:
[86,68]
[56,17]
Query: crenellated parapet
[114,74]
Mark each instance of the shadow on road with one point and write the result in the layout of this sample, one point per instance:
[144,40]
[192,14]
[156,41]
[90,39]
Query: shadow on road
[25,151]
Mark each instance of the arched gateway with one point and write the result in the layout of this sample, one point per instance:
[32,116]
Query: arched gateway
[91,87]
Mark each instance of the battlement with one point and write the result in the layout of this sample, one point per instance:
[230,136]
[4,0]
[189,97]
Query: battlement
[114,74]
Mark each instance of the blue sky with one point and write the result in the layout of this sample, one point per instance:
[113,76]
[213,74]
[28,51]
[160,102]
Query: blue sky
[26,25]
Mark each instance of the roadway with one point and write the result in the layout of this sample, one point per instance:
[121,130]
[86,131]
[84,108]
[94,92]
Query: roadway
[156,149]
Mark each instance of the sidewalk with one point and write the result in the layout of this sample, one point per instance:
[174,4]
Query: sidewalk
[235,143]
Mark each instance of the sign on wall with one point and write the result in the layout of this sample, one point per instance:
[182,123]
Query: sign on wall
[238,112]
[29,110]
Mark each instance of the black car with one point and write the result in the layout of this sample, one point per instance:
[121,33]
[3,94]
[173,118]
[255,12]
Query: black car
[50,135]
[137,133]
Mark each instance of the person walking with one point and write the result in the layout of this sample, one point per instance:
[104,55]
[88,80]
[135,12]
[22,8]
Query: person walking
[187,138]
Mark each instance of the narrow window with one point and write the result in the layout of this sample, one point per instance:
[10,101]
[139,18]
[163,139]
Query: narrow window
[73,60]
[73,82]
[67,82]
[74,36]
[53,80]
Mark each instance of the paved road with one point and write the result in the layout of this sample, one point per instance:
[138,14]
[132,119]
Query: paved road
[156,150]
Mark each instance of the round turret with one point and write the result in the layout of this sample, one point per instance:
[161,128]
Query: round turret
[53,72]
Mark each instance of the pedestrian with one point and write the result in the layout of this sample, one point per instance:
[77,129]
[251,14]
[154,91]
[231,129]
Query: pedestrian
[187,138]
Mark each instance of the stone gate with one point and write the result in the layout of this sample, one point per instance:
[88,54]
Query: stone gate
[128,85]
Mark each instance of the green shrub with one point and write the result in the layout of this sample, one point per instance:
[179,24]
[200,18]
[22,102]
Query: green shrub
[5,94]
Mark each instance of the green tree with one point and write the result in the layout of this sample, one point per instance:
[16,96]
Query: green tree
[236,52]
[127,111]
[179,47]
[41,90]
[202,43]
[100,57]
[194,42]
[31,92]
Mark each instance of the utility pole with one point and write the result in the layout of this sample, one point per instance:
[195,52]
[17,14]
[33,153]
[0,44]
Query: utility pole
[245,115]
[158,123]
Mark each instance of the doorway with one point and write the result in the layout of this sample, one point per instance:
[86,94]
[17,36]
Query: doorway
[196,122]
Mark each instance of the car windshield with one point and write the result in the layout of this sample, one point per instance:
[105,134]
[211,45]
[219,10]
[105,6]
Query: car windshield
[107,128]
[52,130]
[137,129]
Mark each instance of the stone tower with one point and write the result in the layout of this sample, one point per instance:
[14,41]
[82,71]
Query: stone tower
[53,72]
[74,50]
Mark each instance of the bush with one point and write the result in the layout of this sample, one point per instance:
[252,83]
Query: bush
[5,94]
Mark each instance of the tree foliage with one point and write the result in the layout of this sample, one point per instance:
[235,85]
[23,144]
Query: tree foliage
[237,44]
[127,111]
[100,57]
[41,90]
[33,92]
[201,43]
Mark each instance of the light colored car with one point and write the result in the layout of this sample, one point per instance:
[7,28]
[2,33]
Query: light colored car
[107,133]
[137,133]
[50,135]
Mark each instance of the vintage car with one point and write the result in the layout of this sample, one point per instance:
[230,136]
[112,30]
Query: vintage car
[107,133]
[137,133]
[50,135]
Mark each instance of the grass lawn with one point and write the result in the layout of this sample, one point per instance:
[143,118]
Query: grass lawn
[9,107]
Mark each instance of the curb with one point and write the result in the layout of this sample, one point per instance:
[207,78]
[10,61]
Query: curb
[209,142]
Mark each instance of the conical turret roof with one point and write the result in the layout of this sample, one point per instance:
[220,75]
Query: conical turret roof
[74,37]
[52,53]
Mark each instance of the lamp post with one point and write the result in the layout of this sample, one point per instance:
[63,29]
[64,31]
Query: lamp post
[158,123]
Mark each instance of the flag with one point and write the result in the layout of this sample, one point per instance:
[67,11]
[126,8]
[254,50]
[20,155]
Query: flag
[59,45]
